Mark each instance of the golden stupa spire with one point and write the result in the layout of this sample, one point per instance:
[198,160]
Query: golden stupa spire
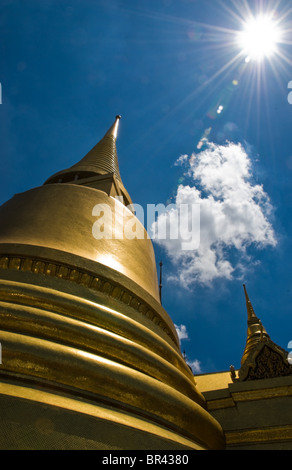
[102,159]
[113,131]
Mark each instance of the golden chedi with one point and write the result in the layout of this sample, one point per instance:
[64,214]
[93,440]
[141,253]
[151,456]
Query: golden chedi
[90,359]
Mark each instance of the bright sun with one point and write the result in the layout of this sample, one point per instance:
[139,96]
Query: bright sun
[259,38]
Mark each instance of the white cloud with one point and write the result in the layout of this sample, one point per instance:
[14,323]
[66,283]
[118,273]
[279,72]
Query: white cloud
[234,215]
[195,366]
[181,332]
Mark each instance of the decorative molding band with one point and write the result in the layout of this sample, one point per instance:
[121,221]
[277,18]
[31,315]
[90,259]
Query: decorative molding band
[220,403]
[259,435]
[261,394]
[249,395]
[87,279]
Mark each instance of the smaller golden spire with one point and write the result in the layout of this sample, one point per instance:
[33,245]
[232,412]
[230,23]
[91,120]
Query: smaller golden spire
[250,311]
[262,358]
[255,330]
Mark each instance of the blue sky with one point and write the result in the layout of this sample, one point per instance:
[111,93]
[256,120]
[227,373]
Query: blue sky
[67,69]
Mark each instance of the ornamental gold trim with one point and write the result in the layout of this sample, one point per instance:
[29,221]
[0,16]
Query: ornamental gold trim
[86,279]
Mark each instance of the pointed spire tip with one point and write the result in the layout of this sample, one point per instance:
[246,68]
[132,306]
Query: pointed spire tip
[113,131]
